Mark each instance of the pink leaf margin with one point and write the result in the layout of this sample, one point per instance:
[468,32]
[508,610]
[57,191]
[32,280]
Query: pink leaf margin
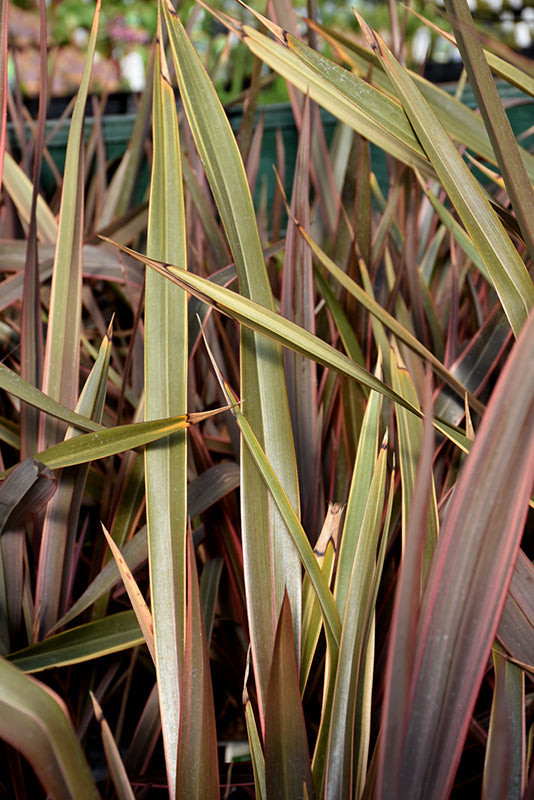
[464,596]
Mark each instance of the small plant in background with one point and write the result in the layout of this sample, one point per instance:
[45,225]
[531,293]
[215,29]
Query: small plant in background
[267,468]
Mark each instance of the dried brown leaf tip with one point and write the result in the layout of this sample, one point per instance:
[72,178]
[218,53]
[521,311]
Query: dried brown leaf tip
[331,530]
[373,40]
[276,30]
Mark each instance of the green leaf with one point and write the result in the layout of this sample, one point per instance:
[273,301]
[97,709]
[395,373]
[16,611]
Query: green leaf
[274,326]
[206,489]
[325,550]
[166,351]
[271,325]
[95,639]
[501,67]
[410,433]
[110,441]
[513,171]
[503,263]
[258,761]
[134,552]
[357,625]
[19,187]
[113,759]
[137,600]
[353,101]
[271,563]
[18,387]
[463,124]
[61,364]
[61,367]
[456,229]
[34,721]
[504,765]
[307,556]
[362,474]
[388,320]
[59,527]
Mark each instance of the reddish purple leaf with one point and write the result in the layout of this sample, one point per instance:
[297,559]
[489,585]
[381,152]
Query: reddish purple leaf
[24,492]
[197,769]
[465,593]
[287,759]
[516,627]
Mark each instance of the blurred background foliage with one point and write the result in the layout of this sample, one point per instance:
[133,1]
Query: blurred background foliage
[128,26]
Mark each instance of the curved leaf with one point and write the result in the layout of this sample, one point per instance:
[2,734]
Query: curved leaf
[35,723]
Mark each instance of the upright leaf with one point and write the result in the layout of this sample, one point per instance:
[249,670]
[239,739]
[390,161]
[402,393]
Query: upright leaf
[4,5]
[353,649]
[410,432]
[113,758]
[287,759]
[498,125]
[504,767]
[361,480]
[63,337]
[297,303]
[444,659]
[62,353]
[270,559]
[198,766]
[31,344]
[166,353]
[60,525]
[137,600]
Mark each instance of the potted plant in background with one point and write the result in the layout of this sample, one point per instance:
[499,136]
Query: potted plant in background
[171,574]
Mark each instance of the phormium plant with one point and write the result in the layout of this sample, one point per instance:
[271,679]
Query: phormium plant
[187,383]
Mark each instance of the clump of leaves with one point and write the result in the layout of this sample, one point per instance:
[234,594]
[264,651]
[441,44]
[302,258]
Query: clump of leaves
[209,375]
